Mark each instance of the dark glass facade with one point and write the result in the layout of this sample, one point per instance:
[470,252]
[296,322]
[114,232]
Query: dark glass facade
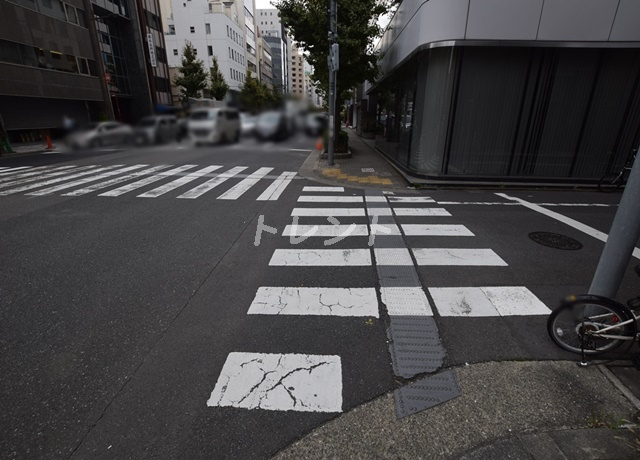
[510,112]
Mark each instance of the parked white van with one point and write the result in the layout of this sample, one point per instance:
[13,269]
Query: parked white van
[208,125]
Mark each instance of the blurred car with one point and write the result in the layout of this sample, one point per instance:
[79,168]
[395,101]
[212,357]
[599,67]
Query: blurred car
[156,129]
[214,125]
[101,134]
[247,123]
[315,123]
[272,126]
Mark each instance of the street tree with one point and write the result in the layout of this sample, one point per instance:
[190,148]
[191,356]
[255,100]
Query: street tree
[193,76]
[218,86]
[253,95]
[307,21]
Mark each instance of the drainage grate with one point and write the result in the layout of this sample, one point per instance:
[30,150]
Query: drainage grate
[555,240]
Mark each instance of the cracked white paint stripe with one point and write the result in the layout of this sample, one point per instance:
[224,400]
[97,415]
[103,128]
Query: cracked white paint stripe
[323,189]
[117,180]
[34,175]
[411,199]
[212,183]
[325,212]
[244,185]
[487,301]
[436,230]
[392,256]
[321,257]
[326,230]
[273,192]
[89,170]
[84,180]
[329,199]
[385,229]
[282,382]
[375,199]
[421,212]
[14,170]
[379,211]
[405,301]
[146,181]
[315,301]
[446,256]
[156,192]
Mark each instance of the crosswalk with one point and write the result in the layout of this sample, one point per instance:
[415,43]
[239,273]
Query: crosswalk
[144,181]
[290,381]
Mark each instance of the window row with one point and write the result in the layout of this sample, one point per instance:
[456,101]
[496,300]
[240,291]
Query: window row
[237,76]
[235,36]
[233,54]
[56,9]
[31,56]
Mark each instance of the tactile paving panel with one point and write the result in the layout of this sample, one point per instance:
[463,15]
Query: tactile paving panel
[426,393]
[398,276]
[406,301]
[414,345]
[388,241]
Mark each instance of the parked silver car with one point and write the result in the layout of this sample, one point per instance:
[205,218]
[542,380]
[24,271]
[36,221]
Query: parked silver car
[156,129]
[101,134]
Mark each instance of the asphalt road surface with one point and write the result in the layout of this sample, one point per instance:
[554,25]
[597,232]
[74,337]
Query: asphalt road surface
[153,304]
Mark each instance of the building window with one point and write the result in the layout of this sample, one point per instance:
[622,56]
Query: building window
[172,29]
[210,49]
[207,29]
[72,14]
[229,53]
[231,73]
[175,52]
[192,29]
[227,31]
[195,51]
[210,6]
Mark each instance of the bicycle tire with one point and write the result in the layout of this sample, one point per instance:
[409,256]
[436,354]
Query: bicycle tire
[566,324]
[611,182]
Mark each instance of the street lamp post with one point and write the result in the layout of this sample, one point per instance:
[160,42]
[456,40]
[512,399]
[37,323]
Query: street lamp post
[333,67]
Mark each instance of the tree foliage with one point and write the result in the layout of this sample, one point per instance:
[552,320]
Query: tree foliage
[193,76]
[218,86]
[307,21]
[256,96]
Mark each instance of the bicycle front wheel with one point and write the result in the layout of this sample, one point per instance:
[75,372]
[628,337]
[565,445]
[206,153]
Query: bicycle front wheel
[610,182]
[574,326]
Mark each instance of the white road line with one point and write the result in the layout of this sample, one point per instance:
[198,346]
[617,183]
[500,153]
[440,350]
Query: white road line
[315,301]
[487,301]
[329,199]
[375,199]
[244,185]
[565,220]
[323,189]
[19,168]
[392,256]
[444,256]
[117,180]
[320,257]
[421,212]
[322,212]
[212,183]
[483,203]
[273,192]
[326,230]
[57,188]
[89,170]
[283,382]
[406,301]
[31,177]
[156,192]
[300,150]
[379,211]
[385,229]
[435,230]
[411,199]
[502,203]
[146,181]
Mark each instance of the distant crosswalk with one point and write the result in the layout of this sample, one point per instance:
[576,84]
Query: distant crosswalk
[143,180]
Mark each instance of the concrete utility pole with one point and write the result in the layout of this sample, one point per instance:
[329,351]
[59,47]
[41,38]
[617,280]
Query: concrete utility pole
[333,67]
[623,237]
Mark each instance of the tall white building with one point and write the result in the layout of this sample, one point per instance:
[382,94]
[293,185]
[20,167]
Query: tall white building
[214,29]
[268,20]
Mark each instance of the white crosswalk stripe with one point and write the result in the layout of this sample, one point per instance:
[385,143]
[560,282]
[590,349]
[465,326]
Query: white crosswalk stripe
[453,256]
[278,186]
[156,192]
[11,176]
[239,189]
[117,180]
[32,177]
[325,230]
[435,230]
[57,188]
[90,170]
[146,181]
[16,169]
[323,189]
[212,183]
[487,301]
[321,257]
[329,199]
[328,212]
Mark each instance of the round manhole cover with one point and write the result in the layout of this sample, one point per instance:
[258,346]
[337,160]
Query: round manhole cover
[555,240]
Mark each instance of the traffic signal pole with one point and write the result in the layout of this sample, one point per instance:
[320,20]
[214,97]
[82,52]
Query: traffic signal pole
[333,29]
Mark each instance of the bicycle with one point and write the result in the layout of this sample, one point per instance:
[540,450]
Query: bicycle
[614,181]
[591,324]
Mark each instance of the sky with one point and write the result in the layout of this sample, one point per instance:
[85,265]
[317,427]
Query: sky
[262,4]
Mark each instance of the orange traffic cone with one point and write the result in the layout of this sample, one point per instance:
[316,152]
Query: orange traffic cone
[49,144]
[319,144]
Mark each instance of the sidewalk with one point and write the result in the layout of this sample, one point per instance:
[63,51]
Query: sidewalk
[365,169]
[27,148]
[518,410]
